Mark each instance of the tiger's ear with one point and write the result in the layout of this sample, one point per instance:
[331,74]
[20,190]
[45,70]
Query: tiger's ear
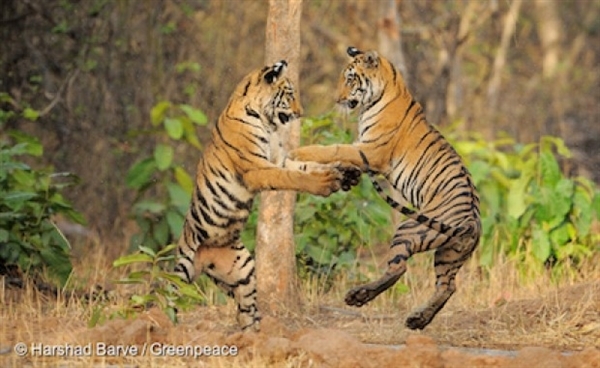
[371,59]
[275,71]
[353,51]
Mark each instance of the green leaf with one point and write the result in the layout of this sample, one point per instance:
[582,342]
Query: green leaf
[58,238]
[319,254]
[132,258]
[596,203]
[163,155]
[559,144]
[549,170]
[4,234]
[491,198]
[166,249]
[184,180]
[174,128]
[583,211]
[541,244]
[142,300]
[554,203]
[141,173]
[178,195]
[31,145]
[157,114]
[57,263]
[560,235]
[138,275]
[486,255]
[16,200]
[174,279]
[517,196]
[190,291]
[148,206]
[480,171]
[130,281]
[148,251]
[31,114]
[195,115]
[161,232]
[170,312]
[175,221]
[190,134]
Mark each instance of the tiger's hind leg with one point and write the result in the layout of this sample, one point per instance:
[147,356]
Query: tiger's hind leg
[448,260]
[232,269]
[402,248]
[412,237]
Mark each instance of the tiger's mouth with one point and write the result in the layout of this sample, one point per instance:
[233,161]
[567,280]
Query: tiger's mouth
[351,104]
[284,118]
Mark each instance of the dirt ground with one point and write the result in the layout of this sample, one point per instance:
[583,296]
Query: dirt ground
[566,326]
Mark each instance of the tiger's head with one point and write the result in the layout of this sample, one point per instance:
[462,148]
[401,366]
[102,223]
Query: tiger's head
[363,80]
[270,94]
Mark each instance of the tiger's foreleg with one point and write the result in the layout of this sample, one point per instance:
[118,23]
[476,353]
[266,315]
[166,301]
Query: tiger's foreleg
[318,182]
[350,173]
[346,153]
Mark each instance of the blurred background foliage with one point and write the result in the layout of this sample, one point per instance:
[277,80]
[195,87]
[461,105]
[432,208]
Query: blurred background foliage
[123,94]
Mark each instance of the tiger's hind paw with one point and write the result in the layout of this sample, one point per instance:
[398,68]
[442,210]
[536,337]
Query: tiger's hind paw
[351,175]
[360,296]
[253,326]
[417,320]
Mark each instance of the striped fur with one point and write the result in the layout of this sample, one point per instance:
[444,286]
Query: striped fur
[427,174]
[246,156]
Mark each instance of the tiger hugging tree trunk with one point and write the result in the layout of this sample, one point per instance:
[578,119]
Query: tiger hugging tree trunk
[395,140]
[246,156]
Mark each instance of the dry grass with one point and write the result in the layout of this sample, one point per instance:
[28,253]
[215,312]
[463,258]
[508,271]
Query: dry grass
[499,309]
[502,308]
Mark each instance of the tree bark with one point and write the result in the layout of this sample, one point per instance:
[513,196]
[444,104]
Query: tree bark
[275,247]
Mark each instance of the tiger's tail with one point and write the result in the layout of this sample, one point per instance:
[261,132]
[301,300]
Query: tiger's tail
[431,223]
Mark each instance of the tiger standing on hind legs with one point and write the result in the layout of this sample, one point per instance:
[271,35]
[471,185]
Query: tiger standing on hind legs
[246,156]
[395,140]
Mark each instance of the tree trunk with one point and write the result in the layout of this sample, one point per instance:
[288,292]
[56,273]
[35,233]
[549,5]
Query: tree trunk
[275,247]
[493,90]
[549,27]
[389,36]
[550,30]
[390,45]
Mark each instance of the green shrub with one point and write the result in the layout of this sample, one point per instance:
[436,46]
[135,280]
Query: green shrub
[529,207]
[29,198]
[156,286]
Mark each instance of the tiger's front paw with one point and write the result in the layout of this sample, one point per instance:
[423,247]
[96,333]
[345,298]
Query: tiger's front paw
[350,175]
[326,181]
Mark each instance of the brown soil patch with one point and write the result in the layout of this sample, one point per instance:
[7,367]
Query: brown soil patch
[336,337]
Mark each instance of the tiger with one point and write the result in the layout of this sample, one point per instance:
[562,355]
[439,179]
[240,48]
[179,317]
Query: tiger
[435,189]
[244,156]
